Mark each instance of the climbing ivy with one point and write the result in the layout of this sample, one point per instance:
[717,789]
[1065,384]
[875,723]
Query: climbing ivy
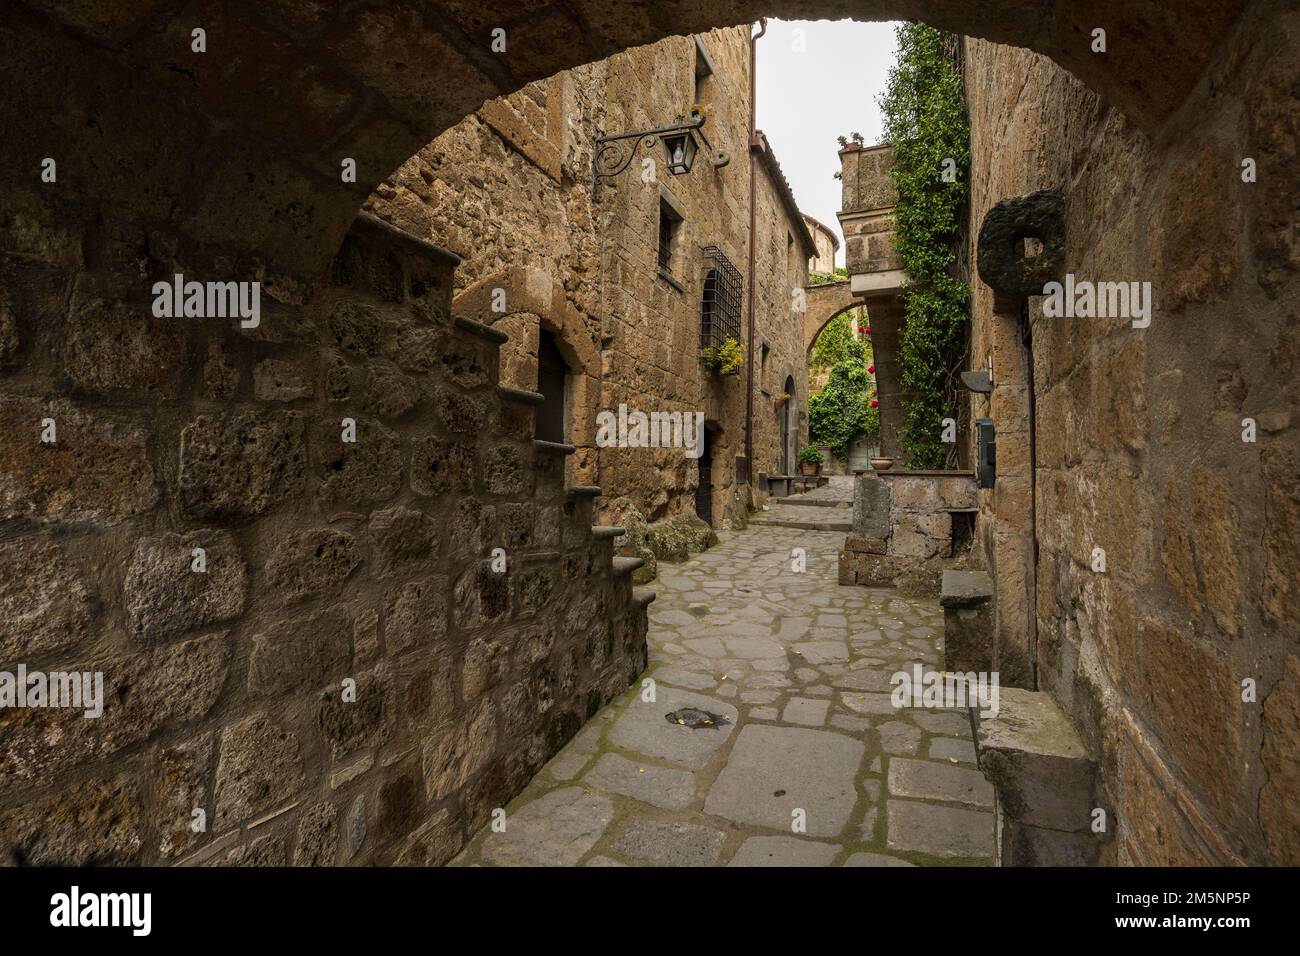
[842,410]
[925,122]
[835,343]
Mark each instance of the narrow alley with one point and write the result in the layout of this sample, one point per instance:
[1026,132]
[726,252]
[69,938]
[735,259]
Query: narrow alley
[798,670]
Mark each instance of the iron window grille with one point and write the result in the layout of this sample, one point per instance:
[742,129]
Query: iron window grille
[720,303]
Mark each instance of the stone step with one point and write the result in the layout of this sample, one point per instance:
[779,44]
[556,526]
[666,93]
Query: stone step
[486,332]
[584,491]
[602,531]
[625,566]
[520,395]
[643,597]
[553,447]
[805,521]
[816,502]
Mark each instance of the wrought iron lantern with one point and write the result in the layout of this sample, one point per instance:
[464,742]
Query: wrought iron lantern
[613,154]
[681,150]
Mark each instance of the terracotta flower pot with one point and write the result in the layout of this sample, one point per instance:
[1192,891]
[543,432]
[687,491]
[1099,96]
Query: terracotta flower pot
[882,464]
[810,470]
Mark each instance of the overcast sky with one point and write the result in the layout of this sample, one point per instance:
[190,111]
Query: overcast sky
[808,97]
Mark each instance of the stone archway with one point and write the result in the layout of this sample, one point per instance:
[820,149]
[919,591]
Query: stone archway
[254,155]
[825,302]
[524,301]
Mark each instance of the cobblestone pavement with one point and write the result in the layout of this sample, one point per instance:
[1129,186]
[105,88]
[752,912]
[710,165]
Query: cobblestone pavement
[795,670]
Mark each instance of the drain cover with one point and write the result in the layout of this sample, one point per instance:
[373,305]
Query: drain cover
[695,718]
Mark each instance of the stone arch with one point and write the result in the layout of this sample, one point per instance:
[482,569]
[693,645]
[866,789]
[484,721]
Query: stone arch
[236,155]
[825,302]
[532,295]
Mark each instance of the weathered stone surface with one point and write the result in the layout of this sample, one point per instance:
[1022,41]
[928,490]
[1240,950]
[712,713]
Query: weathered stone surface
[871,507]
[318,836]
[310,564]
[439,467]
[241,465]
[1039,215]
[451,758]
[363,471]
[1172,669]
[259,767]
[143,693]
[554,830]
[180,775]
[405,541]
[784,851]
[94,823]
[658,786]
[812,770]
[46,604]
[1279,812]
[939,831]
[113,347]
[670,844]
[669,741]
[300,654]
[925,780]
[275,380]
[352,718]
[1280,589]
[417,617]
[165,595]
[99,470]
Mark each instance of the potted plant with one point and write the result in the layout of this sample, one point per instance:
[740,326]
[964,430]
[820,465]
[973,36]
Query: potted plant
[779,401]
[810,461]
[724,358]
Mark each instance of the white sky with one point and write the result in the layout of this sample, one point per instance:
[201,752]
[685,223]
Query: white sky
[807,98]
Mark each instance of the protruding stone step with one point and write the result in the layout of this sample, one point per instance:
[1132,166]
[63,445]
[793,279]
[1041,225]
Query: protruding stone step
[1044,780]
[521,395]
[553,447]
[643,597]
[584,491]
[495,336]
[602,531]
[625,566]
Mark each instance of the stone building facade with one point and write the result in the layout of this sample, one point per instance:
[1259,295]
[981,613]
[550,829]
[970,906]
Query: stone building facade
[1170,451]
[563,262]
[827,243]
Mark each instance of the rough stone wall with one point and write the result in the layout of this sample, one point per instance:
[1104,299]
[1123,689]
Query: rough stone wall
[347,680]
[1138,442]
[509,189]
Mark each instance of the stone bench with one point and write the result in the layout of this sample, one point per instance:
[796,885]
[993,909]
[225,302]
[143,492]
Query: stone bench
[1044,782]
[967,601]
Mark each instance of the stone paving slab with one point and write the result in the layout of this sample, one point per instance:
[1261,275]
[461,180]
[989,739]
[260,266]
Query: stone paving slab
[800,667]
[774,771]
[784,851]
[657,786]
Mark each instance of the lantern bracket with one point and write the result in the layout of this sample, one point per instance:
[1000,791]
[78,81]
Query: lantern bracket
[611,155]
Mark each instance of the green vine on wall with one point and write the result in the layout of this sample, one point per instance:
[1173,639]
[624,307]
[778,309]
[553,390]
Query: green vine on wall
[925,122]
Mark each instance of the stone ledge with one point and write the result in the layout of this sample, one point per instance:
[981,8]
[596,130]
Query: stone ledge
[1044,778]
[964,588]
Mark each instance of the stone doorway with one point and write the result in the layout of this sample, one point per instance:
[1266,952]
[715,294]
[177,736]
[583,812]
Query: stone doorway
[704,490]
[789,428]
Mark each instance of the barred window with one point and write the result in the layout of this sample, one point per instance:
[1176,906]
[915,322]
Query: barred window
[720,300]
